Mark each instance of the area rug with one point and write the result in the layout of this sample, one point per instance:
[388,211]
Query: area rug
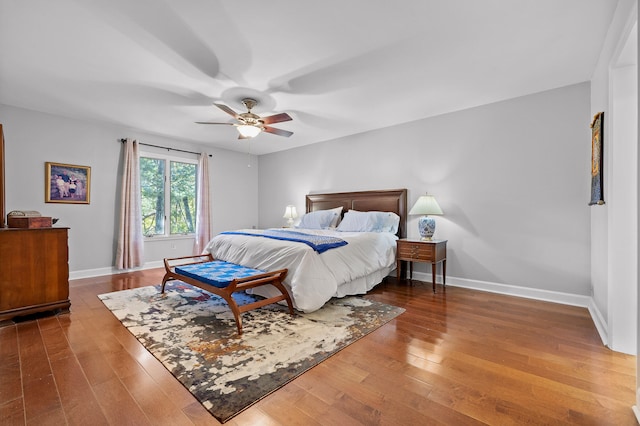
[194,335]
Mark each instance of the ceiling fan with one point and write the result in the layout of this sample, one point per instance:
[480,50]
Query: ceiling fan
[250,125]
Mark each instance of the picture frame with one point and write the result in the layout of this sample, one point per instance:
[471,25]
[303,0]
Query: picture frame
[67,183]
[597,137]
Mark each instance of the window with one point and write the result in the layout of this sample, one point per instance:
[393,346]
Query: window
[167,185]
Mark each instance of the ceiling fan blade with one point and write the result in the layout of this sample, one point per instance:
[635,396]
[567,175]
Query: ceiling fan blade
[278,132]
[277,118]
[209,122]
[227,110]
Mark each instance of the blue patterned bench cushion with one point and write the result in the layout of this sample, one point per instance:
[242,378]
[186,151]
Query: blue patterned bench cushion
[217,273]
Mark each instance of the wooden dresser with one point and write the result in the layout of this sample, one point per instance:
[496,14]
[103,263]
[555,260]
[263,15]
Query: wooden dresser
[34,271]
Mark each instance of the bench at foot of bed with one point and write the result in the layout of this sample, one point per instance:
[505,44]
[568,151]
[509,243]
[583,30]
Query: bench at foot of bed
[224,279]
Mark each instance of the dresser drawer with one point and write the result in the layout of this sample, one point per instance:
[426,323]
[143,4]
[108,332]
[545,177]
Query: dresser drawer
[414,251]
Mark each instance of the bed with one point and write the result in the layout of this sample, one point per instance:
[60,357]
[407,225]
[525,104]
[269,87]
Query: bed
[313,277]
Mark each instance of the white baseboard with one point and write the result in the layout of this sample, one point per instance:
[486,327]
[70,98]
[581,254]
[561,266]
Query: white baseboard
[600,322]
[90,273]
[528,293]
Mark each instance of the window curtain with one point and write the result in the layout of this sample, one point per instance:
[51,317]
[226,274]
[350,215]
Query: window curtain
[130,243]
[203,208]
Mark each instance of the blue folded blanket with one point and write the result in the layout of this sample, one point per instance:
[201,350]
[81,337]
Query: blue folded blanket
[319,243]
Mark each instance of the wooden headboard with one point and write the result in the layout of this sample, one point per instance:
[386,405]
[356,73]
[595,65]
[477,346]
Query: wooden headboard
[388,200]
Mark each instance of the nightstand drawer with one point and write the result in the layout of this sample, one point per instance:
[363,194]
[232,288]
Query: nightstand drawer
[415,251]
[433,252]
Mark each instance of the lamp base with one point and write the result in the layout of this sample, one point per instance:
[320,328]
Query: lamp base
[426,227]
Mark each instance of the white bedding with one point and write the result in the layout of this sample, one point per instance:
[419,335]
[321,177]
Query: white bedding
[313,278]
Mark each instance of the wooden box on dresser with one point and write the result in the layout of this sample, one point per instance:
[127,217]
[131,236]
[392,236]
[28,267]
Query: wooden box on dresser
[35,271]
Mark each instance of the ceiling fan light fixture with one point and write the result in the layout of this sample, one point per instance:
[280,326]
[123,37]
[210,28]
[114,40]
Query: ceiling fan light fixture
[250,125]
[249,131]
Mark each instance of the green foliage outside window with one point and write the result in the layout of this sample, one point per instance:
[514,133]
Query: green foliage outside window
[180,190]
[152,195]
[183,198]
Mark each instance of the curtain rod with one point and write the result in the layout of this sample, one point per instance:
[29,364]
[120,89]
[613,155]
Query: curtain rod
[164,147]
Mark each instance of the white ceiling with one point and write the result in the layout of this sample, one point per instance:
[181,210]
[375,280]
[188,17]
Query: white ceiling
[338,67]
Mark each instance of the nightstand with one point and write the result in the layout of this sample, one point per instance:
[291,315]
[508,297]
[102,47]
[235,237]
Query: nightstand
[422,251]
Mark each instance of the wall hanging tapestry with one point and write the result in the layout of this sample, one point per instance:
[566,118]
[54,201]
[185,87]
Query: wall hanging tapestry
[193,334]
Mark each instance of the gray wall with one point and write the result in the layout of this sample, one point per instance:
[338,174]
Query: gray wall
[614,262]
[32,138]
[512,179]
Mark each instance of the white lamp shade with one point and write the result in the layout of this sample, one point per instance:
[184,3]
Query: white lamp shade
[249,131]
[290,212]
[426,204]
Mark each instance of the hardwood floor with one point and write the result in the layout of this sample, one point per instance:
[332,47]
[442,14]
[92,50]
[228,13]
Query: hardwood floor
[462,357]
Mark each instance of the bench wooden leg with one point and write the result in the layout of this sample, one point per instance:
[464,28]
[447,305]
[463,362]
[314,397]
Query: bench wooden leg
[285,293]
[164,282]
[234,309]
[274,278]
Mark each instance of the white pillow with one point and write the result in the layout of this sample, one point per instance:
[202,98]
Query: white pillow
[390,222]
[356,221]
[319,219]
[337,218]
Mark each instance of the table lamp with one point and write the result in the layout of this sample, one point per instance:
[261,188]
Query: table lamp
[290,214]
[426,205]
